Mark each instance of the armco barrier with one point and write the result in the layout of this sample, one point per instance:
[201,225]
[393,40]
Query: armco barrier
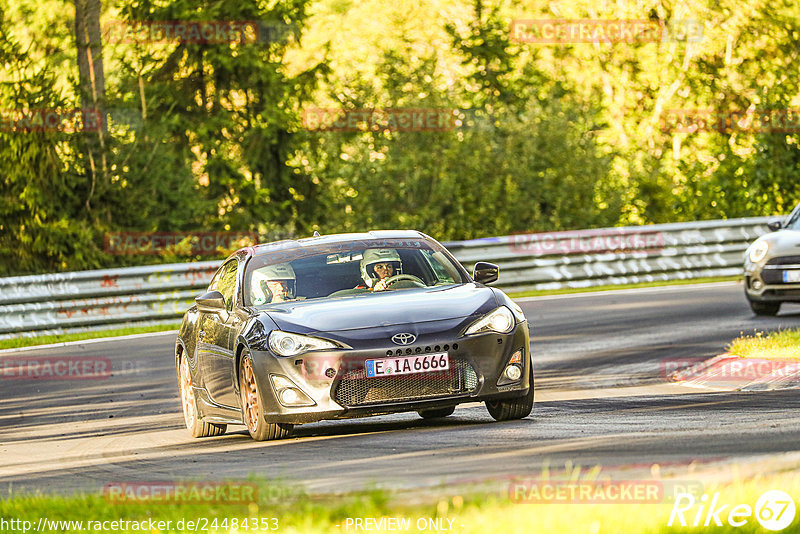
[615,255]
[89,300]
[93,300]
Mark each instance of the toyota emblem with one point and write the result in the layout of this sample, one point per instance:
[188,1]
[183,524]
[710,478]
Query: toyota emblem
[404,338]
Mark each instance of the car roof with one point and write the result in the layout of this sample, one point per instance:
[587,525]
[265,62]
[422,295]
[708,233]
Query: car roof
[329,239]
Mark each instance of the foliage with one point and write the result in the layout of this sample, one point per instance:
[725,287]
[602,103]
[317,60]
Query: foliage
[211,136]
[42,220]
[519,157]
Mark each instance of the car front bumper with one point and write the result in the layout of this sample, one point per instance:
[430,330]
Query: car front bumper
[336,383]
[764,283]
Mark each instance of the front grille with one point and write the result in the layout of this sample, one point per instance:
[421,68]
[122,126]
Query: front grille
[774,274]
[793,294]
[355,389]
[785,260]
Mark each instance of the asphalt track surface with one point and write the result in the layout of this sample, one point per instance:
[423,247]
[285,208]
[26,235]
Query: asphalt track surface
[601,400]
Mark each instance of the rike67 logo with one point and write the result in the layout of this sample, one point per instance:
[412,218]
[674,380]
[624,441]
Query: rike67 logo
[774,510]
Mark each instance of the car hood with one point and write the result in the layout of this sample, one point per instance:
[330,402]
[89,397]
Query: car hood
[382,309]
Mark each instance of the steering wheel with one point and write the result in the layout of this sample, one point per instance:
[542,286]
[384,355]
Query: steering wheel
[399,277]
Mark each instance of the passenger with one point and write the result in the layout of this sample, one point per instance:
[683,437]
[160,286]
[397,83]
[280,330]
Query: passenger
[274,283]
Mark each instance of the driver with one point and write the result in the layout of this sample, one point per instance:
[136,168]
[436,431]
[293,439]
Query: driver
[378,265]
[273,283]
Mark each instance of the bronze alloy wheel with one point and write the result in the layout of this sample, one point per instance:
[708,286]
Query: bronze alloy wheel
[249,396]
[198,428]
[187,395]
[252,407]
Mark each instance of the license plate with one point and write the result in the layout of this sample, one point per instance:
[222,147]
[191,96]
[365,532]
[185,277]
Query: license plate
[406,365]
[791,277]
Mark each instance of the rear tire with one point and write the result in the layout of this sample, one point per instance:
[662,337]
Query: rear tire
[508,409]
[436,414]
[198,428]
[253,409]
[768,309]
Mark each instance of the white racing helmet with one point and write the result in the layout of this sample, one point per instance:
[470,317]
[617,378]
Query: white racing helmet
[372,256]
[272,273]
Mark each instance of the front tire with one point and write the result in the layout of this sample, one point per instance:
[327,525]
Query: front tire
[508,409]
[767,309]
[436,414]
[252,407]
[198,428]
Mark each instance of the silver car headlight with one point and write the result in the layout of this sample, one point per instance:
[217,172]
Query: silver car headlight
[288,344]
[500,320]
[758,251]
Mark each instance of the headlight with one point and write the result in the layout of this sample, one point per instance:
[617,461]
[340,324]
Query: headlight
[758,251]
[500,320]
[287,344]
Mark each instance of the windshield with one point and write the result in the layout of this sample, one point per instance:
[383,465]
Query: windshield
[343,269]
[793,222]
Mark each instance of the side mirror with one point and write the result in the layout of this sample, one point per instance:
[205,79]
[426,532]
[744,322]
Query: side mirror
[485,273]
[775,224]
[211,302]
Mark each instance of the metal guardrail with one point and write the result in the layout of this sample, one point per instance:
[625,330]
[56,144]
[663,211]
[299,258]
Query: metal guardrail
[589,258]
[95,300]
[159,294]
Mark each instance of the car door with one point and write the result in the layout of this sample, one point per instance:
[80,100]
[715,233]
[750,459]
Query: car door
[215,339]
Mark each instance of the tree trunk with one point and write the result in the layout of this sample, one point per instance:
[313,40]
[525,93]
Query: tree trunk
[91,88]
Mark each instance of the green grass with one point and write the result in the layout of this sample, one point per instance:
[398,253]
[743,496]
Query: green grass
[783,345]
[538,293]
[60,338]
[465,512]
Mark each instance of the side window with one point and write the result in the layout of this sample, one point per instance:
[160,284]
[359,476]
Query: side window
[215,280]
[225,282]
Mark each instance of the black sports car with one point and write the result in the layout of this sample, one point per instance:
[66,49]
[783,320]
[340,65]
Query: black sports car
[345,326]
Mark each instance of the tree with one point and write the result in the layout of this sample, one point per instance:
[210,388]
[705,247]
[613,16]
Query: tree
[226,111]
[91,89]
[42,226]
[521,154]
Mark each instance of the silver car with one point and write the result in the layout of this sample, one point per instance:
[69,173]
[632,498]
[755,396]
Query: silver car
[772,266]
